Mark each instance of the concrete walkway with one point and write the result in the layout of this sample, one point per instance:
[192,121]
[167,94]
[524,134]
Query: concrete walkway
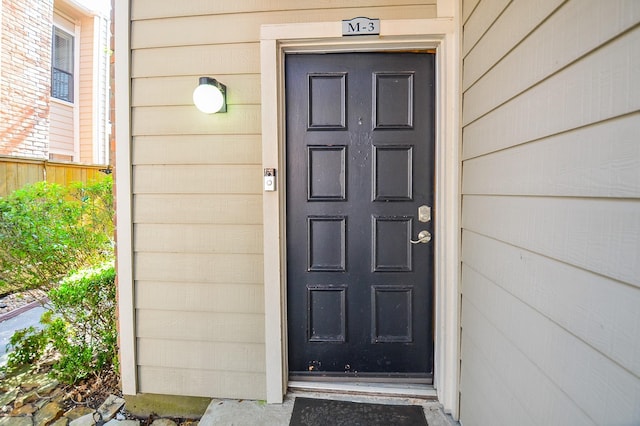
[257,413]
[26,317]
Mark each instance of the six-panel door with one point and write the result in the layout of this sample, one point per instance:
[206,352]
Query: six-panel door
[359,156]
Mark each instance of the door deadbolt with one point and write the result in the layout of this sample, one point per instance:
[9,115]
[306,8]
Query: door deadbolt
[424,213]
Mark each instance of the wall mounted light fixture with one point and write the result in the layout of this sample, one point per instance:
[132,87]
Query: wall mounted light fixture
[210,96]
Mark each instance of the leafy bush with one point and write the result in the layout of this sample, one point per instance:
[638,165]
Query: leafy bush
[28,346]
[81,327]
[47,230]
[84,308]
[97,206]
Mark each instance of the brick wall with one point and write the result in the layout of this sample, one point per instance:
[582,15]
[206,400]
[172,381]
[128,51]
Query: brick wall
[25,77]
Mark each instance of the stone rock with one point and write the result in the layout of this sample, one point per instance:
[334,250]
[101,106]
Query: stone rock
[8,397]
[48,387]
[164,422]
[24,410]
[47,414]
[115,422]
[110,407]
[77,412]
[42,402]
[27,386]
[62,421]
[25,399]
[57,395]
[34,382]
[86,420]
[16,421]
[18,377]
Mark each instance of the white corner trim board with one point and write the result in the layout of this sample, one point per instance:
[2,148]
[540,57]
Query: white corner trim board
[126,317]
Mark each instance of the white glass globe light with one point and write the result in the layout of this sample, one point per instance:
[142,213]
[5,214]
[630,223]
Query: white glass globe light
[207,97]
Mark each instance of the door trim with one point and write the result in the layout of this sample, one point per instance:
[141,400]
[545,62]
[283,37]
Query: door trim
[438,34]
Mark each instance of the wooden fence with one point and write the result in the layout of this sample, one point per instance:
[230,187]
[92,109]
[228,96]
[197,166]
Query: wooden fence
[18,172]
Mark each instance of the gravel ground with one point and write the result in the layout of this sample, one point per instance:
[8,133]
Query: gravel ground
[16,300]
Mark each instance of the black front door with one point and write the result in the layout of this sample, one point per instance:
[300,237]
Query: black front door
[359,155]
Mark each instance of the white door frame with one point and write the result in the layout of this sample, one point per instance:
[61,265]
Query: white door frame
[439,34]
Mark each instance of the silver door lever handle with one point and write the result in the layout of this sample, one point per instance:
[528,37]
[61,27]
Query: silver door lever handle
[423,237]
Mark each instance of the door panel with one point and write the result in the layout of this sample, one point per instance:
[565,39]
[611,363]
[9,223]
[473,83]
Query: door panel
[360,137]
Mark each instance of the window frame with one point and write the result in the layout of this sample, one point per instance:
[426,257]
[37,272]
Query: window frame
[71,92]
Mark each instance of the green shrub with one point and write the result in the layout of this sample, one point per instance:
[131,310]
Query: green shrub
[84,307]
[97,206]
[81,327]
[46,231]
[28,346]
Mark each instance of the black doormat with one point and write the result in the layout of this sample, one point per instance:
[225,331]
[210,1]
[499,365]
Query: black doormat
[323,412]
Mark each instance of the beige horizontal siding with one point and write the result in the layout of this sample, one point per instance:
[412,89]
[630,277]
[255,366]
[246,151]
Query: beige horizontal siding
[553,46]
[197,149]
[249,357]
[62,111]
[200,326]
[181,120]
[498,407]
[186,179]
[202,297]
[242,58]
[601,160]
[200,238]
[606,79]
[601,312]
[214,29]
[195,382]
[511,26]
[564,229]
[146,9]
[551,213]
[198,208]
[476,24]
[468,6]
[198,267]
[87,116]
[61,139]
[607,394]
[538,398]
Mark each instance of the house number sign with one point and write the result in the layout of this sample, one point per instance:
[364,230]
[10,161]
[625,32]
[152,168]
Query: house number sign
[360,26]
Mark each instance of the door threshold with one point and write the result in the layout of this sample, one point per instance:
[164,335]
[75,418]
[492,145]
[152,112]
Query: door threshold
[407,390]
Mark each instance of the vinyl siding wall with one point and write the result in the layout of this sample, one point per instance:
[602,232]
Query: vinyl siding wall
[61,138]
[197,185]
[102,33]
[87,90]
[551,213]
[94,90]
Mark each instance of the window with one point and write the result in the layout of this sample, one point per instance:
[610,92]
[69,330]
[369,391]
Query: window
[62,65]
